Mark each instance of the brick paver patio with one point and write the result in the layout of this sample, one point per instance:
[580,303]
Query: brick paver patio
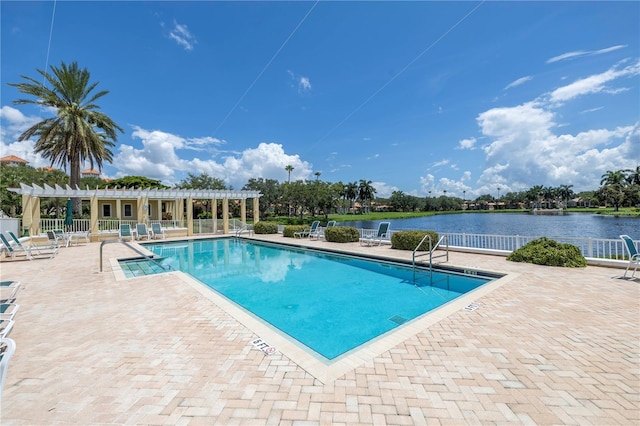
[549,346]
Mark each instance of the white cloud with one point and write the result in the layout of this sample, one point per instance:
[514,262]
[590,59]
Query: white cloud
[158,159]
[469,143]
[594,83]
[383,189]
[181,34]
[518,82]
[575,54]
[300,83]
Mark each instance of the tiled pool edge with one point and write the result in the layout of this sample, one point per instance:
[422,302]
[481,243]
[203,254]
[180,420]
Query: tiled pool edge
[326,373]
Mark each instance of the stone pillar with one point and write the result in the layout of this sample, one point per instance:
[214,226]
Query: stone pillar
[140,213]
[243,210]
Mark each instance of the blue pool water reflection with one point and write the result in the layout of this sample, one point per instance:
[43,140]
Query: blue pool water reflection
[328,302]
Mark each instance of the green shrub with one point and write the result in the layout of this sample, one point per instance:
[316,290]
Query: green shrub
[544,251]
[289,230]
[408,240]
[265,228]
[342,234]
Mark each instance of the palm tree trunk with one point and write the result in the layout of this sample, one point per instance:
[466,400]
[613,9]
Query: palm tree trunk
[74,178]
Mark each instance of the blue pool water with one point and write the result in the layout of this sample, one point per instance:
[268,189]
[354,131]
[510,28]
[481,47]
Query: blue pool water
[330,303]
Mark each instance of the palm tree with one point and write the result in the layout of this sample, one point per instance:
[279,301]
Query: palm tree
[289,168]
[317,175]
[613,183]
[613,178]
[366,191]
[565,192]
[633,176]
[78,132]
[352,193]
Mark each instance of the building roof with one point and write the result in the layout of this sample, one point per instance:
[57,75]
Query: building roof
[90,172]
[12,159]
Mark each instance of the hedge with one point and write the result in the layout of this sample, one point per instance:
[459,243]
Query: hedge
[342,234]
[265,228]
[408,240]
[545,251]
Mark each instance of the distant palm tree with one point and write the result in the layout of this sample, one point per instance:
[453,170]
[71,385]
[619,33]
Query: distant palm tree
[78,132]
[613,178]
[351,190]
[565,192]
[317,175]
[366,192]
[289,168]
[633,176]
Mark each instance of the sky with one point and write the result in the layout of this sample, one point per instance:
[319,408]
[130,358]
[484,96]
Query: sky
[423,97]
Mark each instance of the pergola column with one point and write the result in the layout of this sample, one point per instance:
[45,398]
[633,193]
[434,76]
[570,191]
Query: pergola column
[94,214]
[214,214]
[35,209]
[27,213]
[256,210]
[243,210]
[189,216]
[225,215]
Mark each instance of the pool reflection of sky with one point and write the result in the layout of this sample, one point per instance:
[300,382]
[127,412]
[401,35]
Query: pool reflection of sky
[330,303]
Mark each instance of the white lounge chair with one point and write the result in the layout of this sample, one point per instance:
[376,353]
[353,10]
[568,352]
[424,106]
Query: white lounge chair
[320,230]
[49,250]
[7,349]
[305,233]
[156,229]
[6,325]
[142,231]
[634,256]
[8,310]
[381,235]
[9,291]
[125,232]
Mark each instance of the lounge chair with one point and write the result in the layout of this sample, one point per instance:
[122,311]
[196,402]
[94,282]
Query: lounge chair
[6,325]
[125,232]
[77,237]
[7,349]
[319,233]
[305,233]
[8,310]
[13,250]
[634,256]
[142,231]
[157,231]
[381,235]
[9,291]
[53,239]
[33,250]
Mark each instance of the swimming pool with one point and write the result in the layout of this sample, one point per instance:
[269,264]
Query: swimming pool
[328,302]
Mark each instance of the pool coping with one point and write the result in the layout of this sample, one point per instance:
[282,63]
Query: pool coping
[326,371]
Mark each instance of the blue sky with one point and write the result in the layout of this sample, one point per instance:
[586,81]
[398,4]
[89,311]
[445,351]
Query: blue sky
[413,96]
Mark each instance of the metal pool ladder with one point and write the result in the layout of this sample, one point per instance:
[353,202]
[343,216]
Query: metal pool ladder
[433,248]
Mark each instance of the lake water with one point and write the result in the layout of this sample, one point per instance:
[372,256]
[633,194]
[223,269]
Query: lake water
[578,225]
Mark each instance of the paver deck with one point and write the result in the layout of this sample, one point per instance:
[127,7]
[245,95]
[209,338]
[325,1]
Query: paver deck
[549,346]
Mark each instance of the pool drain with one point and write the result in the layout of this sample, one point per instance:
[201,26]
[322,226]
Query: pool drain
[398,319]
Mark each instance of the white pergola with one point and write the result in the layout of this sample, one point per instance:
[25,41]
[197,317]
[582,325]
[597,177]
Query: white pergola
[142,198]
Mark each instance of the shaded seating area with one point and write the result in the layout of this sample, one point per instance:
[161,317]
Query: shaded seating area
[382,235]
[634,256]
[307,232]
